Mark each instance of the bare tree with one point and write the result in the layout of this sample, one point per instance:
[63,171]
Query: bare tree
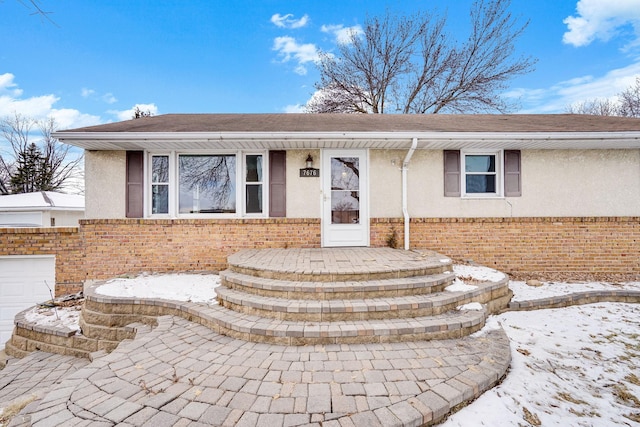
[626,104]
[408,64]
[46,166]
[630,100]
[595,107]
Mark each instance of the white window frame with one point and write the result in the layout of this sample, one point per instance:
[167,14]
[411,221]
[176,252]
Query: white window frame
[499,173]
[263,183]
[148,188]
[174,187]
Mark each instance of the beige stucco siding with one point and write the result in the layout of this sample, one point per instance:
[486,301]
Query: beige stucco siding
[303,194]
[105,185]
[385,187]
[554,183]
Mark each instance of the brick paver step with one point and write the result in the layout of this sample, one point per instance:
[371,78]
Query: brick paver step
[406,306]
[337,264]
[323,290]
[452,324]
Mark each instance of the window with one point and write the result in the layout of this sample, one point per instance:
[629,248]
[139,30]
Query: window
[207,183]
[253,179]
[482,173]
[159,185]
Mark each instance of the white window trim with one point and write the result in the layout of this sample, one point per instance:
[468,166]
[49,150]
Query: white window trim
[265,179]
[148,184]
[174,188]
[499,194]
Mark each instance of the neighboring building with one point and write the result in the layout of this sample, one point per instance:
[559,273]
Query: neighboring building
[472,186]
[28,254]
[41,209]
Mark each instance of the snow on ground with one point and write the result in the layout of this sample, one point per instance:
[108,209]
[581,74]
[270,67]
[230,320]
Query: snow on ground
[63,316]
[477,273]
[523,292]
[178,287]
[574,366]
[577,366]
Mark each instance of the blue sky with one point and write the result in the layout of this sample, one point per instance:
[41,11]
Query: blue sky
[99,59]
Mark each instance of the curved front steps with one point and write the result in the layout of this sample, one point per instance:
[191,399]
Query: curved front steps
[329,310]
[350,295]
[319,296]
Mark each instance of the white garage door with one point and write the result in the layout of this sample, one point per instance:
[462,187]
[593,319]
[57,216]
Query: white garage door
[22,285]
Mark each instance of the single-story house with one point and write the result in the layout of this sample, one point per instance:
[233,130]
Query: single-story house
[519,192]
[41,209]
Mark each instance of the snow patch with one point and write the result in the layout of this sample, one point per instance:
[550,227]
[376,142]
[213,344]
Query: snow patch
[177,287]
[475,306]
[459,286]
[66,317]
[524,292]
[484,274]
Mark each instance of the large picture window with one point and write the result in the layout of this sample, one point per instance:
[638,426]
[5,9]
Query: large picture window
[207,183]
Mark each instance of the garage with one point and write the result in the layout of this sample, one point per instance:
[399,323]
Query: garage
[22,285]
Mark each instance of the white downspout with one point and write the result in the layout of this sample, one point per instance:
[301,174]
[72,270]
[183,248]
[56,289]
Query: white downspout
[405,209]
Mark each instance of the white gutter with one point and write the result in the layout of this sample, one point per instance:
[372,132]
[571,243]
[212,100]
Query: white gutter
[405,208]
[286,135]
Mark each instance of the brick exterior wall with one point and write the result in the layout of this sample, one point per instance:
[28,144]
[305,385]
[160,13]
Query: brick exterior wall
[63,242]
[598,246]
[129,246]
[101,249]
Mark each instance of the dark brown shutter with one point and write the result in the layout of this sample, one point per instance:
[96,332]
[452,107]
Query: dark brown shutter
[451,173]
[135,182]
[512,175]
[277,183]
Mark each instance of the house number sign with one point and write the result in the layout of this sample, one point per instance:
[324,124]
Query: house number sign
[309,173]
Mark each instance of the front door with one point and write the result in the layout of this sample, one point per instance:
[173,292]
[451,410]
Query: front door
[345,213]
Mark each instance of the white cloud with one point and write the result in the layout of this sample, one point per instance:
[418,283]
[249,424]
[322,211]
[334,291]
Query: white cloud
[109,98]
[602,20]
[297,108]
[7,85]
[128,114]
[557,98]
[39,107]
[287,21]
[86,93]
[342,34]
[68,118]
[289,49]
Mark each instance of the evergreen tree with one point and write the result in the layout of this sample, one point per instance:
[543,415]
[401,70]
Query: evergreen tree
[34,167]
[26,178]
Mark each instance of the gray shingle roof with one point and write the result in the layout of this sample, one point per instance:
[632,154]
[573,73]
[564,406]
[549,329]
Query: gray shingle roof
[370,122]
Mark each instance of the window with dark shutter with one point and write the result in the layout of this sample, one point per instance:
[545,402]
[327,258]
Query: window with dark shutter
[452,173]
[277,183]
[512,175]
[134,190]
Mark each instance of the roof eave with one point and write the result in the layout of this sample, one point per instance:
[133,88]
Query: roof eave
[426,140]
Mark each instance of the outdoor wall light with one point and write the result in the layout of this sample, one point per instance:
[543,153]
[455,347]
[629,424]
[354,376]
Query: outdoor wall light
[309,161]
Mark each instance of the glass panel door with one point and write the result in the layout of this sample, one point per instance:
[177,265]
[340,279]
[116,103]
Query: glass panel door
[345,190]
[345,220]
